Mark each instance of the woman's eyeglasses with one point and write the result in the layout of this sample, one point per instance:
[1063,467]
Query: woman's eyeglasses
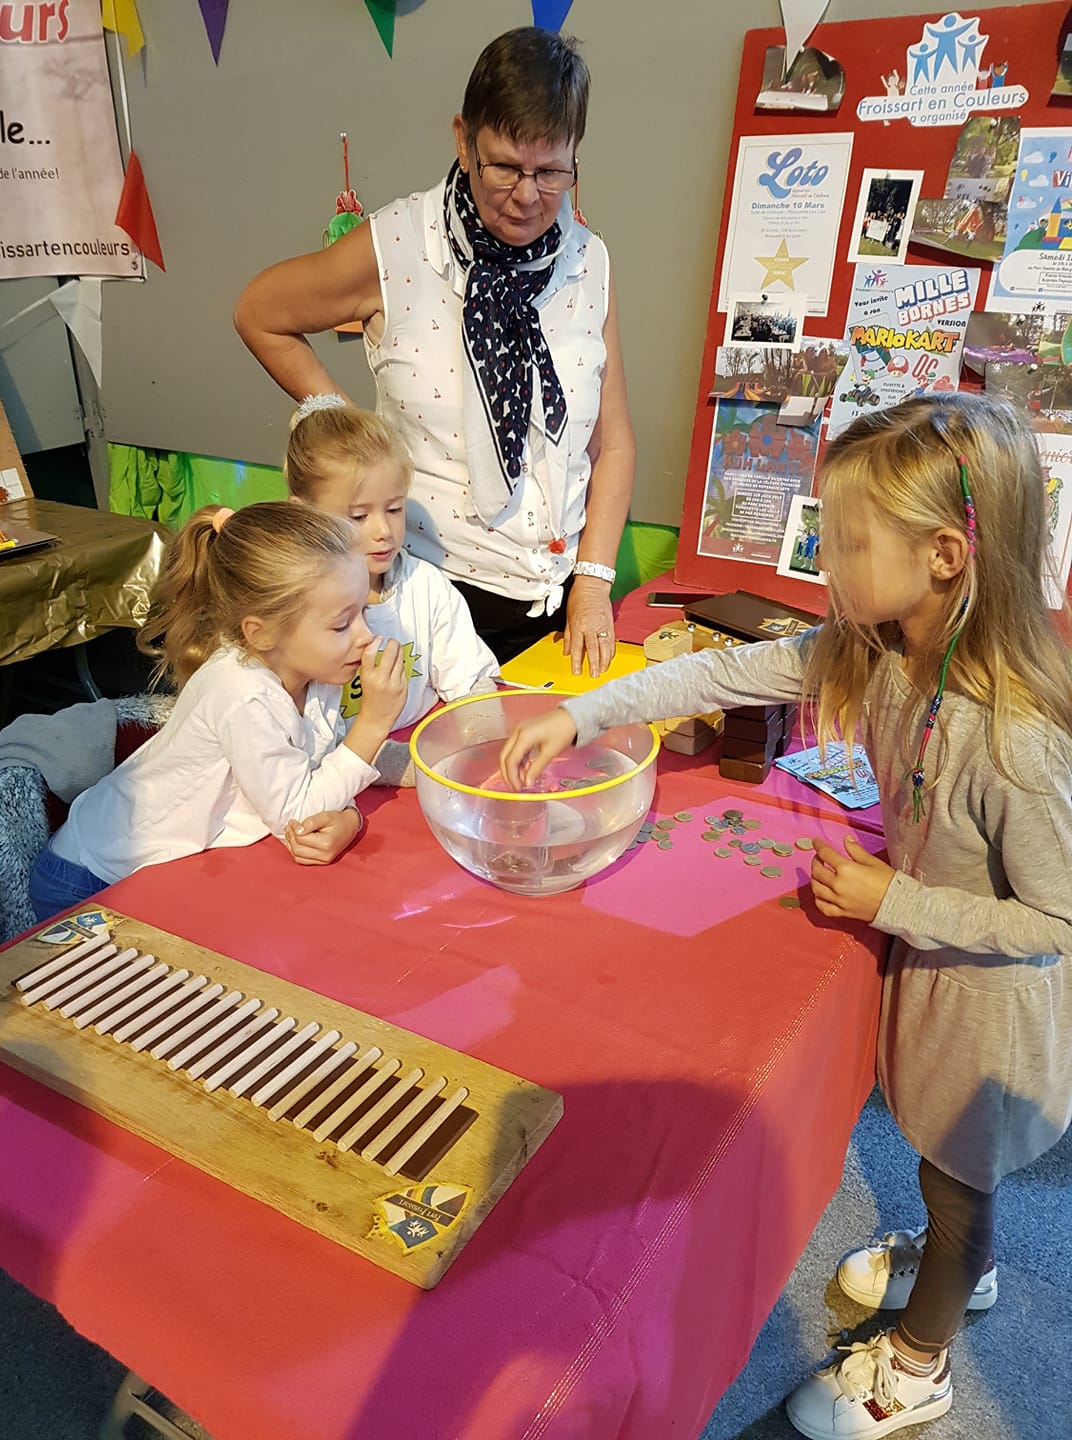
[508,177]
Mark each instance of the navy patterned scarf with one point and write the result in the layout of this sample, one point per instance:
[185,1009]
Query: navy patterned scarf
[503,341]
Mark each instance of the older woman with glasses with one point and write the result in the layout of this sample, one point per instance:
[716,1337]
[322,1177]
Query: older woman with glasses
[491,330]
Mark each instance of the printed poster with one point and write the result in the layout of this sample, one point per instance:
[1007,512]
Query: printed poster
[754,469]
[1035,271]
[60,172]
[788,191]
[1055,453]
[905,329]
[944,77]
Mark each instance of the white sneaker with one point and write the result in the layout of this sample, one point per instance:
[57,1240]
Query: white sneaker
[867,1395]
[881,1276]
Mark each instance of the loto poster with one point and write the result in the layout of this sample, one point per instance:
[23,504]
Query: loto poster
[60,171]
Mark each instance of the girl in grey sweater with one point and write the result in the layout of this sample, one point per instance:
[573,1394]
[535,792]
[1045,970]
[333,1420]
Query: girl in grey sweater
[941,656]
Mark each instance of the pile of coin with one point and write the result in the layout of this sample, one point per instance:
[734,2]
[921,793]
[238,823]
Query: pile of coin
[725,832]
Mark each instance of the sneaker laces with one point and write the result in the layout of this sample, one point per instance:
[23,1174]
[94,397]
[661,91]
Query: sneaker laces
[868,1370]
[896,1253]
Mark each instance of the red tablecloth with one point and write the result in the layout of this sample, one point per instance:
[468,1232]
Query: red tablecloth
[713,1050]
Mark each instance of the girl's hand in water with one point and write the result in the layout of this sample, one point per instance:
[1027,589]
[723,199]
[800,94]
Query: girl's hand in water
[852,885]
[533,745]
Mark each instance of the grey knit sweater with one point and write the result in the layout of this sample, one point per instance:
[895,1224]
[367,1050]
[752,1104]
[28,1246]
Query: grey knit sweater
[975,1037]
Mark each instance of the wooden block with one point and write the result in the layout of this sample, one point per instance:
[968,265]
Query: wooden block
[683,744]
[758,712]
[757,752]
[744,770]
[758,731]
[668,642]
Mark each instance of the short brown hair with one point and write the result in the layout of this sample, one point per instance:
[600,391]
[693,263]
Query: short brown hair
[529,84]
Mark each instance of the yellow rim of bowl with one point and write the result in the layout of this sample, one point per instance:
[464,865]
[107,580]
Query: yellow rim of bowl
[521,795]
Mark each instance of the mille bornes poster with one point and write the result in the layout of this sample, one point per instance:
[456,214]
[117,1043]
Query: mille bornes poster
[905,332]
[60,176]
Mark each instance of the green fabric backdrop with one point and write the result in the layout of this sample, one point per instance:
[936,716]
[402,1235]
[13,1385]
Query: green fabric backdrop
[169,486]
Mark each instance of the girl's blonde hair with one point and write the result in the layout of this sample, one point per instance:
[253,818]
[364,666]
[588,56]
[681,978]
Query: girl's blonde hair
[324,440]
[901,467]
[262,561]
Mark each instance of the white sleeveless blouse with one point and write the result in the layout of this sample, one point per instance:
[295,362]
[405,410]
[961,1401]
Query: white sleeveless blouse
[417,365]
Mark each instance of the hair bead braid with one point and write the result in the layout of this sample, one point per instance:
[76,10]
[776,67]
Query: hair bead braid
[917,773]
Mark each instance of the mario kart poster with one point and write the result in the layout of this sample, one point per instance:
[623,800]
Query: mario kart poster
[905,333]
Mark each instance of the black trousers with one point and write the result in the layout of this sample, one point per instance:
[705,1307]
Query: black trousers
[960,1243]
[505,625]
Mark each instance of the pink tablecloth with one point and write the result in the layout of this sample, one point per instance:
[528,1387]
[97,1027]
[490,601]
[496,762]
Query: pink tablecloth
[713,1049]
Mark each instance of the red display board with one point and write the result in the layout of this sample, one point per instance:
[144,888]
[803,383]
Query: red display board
[1027,37]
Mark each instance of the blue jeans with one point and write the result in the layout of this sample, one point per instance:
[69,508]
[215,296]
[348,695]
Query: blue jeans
[57,884]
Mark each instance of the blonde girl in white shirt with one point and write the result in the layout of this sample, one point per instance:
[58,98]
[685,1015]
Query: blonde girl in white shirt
[259,620]
[352,462]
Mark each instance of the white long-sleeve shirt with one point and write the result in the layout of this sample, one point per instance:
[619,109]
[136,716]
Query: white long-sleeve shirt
[235,761]
[445,658]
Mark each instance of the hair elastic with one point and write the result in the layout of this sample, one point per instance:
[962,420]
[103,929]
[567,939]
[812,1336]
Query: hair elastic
[333,401]
[918,776]
[221,517]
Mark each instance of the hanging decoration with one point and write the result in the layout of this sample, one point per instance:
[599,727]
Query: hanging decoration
[383,16]
[550,14]
[78,302]
[135,213]
[214,14]
[348,215]
[121,16]
[348,212]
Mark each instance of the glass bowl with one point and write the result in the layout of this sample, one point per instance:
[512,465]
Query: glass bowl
[586,807]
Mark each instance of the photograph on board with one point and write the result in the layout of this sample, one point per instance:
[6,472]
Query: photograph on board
[799,553]
[775,321]
[884,211]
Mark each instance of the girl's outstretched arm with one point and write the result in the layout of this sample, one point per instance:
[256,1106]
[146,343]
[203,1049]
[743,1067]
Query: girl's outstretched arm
[767,673]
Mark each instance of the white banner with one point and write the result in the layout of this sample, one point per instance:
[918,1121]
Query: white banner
[60,172]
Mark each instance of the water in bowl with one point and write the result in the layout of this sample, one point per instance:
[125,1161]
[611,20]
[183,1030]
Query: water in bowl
[538,847]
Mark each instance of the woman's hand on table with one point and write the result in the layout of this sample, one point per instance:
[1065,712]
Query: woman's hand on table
[323,837]
[852,885]
[533,745]
[589,626]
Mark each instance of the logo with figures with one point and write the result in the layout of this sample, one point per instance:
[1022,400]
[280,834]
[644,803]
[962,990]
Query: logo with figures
[945,78]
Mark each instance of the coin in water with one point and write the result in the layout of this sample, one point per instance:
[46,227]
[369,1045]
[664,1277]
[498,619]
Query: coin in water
[643,839]
[683,815]
[772,872]
[789,902]
[753,859]
[723,853]
[803,843]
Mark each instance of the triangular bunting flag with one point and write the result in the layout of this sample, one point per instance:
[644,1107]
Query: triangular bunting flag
[383,15]
[122,17]
[79,303]
[800,18]
[135,213]
[214,14]
[549,14]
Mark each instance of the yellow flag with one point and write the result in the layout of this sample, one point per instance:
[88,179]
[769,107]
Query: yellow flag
[122,17]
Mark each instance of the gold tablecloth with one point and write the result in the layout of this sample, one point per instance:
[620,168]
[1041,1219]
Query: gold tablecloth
[96,578]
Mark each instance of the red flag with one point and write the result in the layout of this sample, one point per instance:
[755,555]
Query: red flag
[135,213]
